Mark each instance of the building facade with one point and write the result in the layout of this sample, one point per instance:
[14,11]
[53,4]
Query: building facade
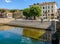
[49,10]
[9,15]
[59,12]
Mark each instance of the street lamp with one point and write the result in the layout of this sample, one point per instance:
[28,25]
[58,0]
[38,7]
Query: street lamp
[46,14]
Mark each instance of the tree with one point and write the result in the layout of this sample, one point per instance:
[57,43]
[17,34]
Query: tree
[2,10]
[35,11]
[2,13]
[26,12]
[12,11]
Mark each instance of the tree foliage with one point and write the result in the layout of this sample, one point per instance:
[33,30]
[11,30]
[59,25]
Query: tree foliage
[33,11]
[26,12]
[12,11]
[2,10]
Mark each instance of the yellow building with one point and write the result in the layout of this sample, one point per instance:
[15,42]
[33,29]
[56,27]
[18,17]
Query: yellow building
[49,10]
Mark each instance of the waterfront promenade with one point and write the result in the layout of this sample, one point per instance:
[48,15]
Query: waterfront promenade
[27,23]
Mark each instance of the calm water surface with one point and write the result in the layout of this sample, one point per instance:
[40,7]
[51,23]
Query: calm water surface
[13,35]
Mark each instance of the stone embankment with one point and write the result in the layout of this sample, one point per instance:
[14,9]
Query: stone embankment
[26,23]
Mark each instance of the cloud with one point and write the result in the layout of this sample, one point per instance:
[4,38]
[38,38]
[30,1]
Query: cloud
[8,1]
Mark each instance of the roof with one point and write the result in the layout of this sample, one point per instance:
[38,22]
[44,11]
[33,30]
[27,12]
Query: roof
[45,3]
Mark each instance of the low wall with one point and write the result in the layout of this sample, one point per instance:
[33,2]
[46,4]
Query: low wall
[27,23]
[6,20]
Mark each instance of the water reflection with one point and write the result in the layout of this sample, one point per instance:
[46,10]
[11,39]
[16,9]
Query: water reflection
[14,35]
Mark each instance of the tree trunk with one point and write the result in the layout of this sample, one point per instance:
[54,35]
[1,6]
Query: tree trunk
[26,17]
[34,17]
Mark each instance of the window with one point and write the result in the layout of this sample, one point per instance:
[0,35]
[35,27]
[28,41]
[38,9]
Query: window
[48,7]
[52,14]
[52,10]
[44,17]
[51,6]
[43,11]
[43,7]
[48,10]
[43,14]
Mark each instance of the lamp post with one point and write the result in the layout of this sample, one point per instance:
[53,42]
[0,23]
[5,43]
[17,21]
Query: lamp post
[46,14]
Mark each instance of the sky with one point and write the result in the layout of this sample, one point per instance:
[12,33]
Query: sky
[22,4]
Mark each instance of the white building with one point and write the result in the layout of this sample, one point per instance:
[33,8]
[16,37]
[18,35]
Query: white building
[9,15]
[49,10]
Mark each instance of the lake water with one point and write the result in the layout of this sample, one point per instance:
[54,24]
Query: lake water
[14,35]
